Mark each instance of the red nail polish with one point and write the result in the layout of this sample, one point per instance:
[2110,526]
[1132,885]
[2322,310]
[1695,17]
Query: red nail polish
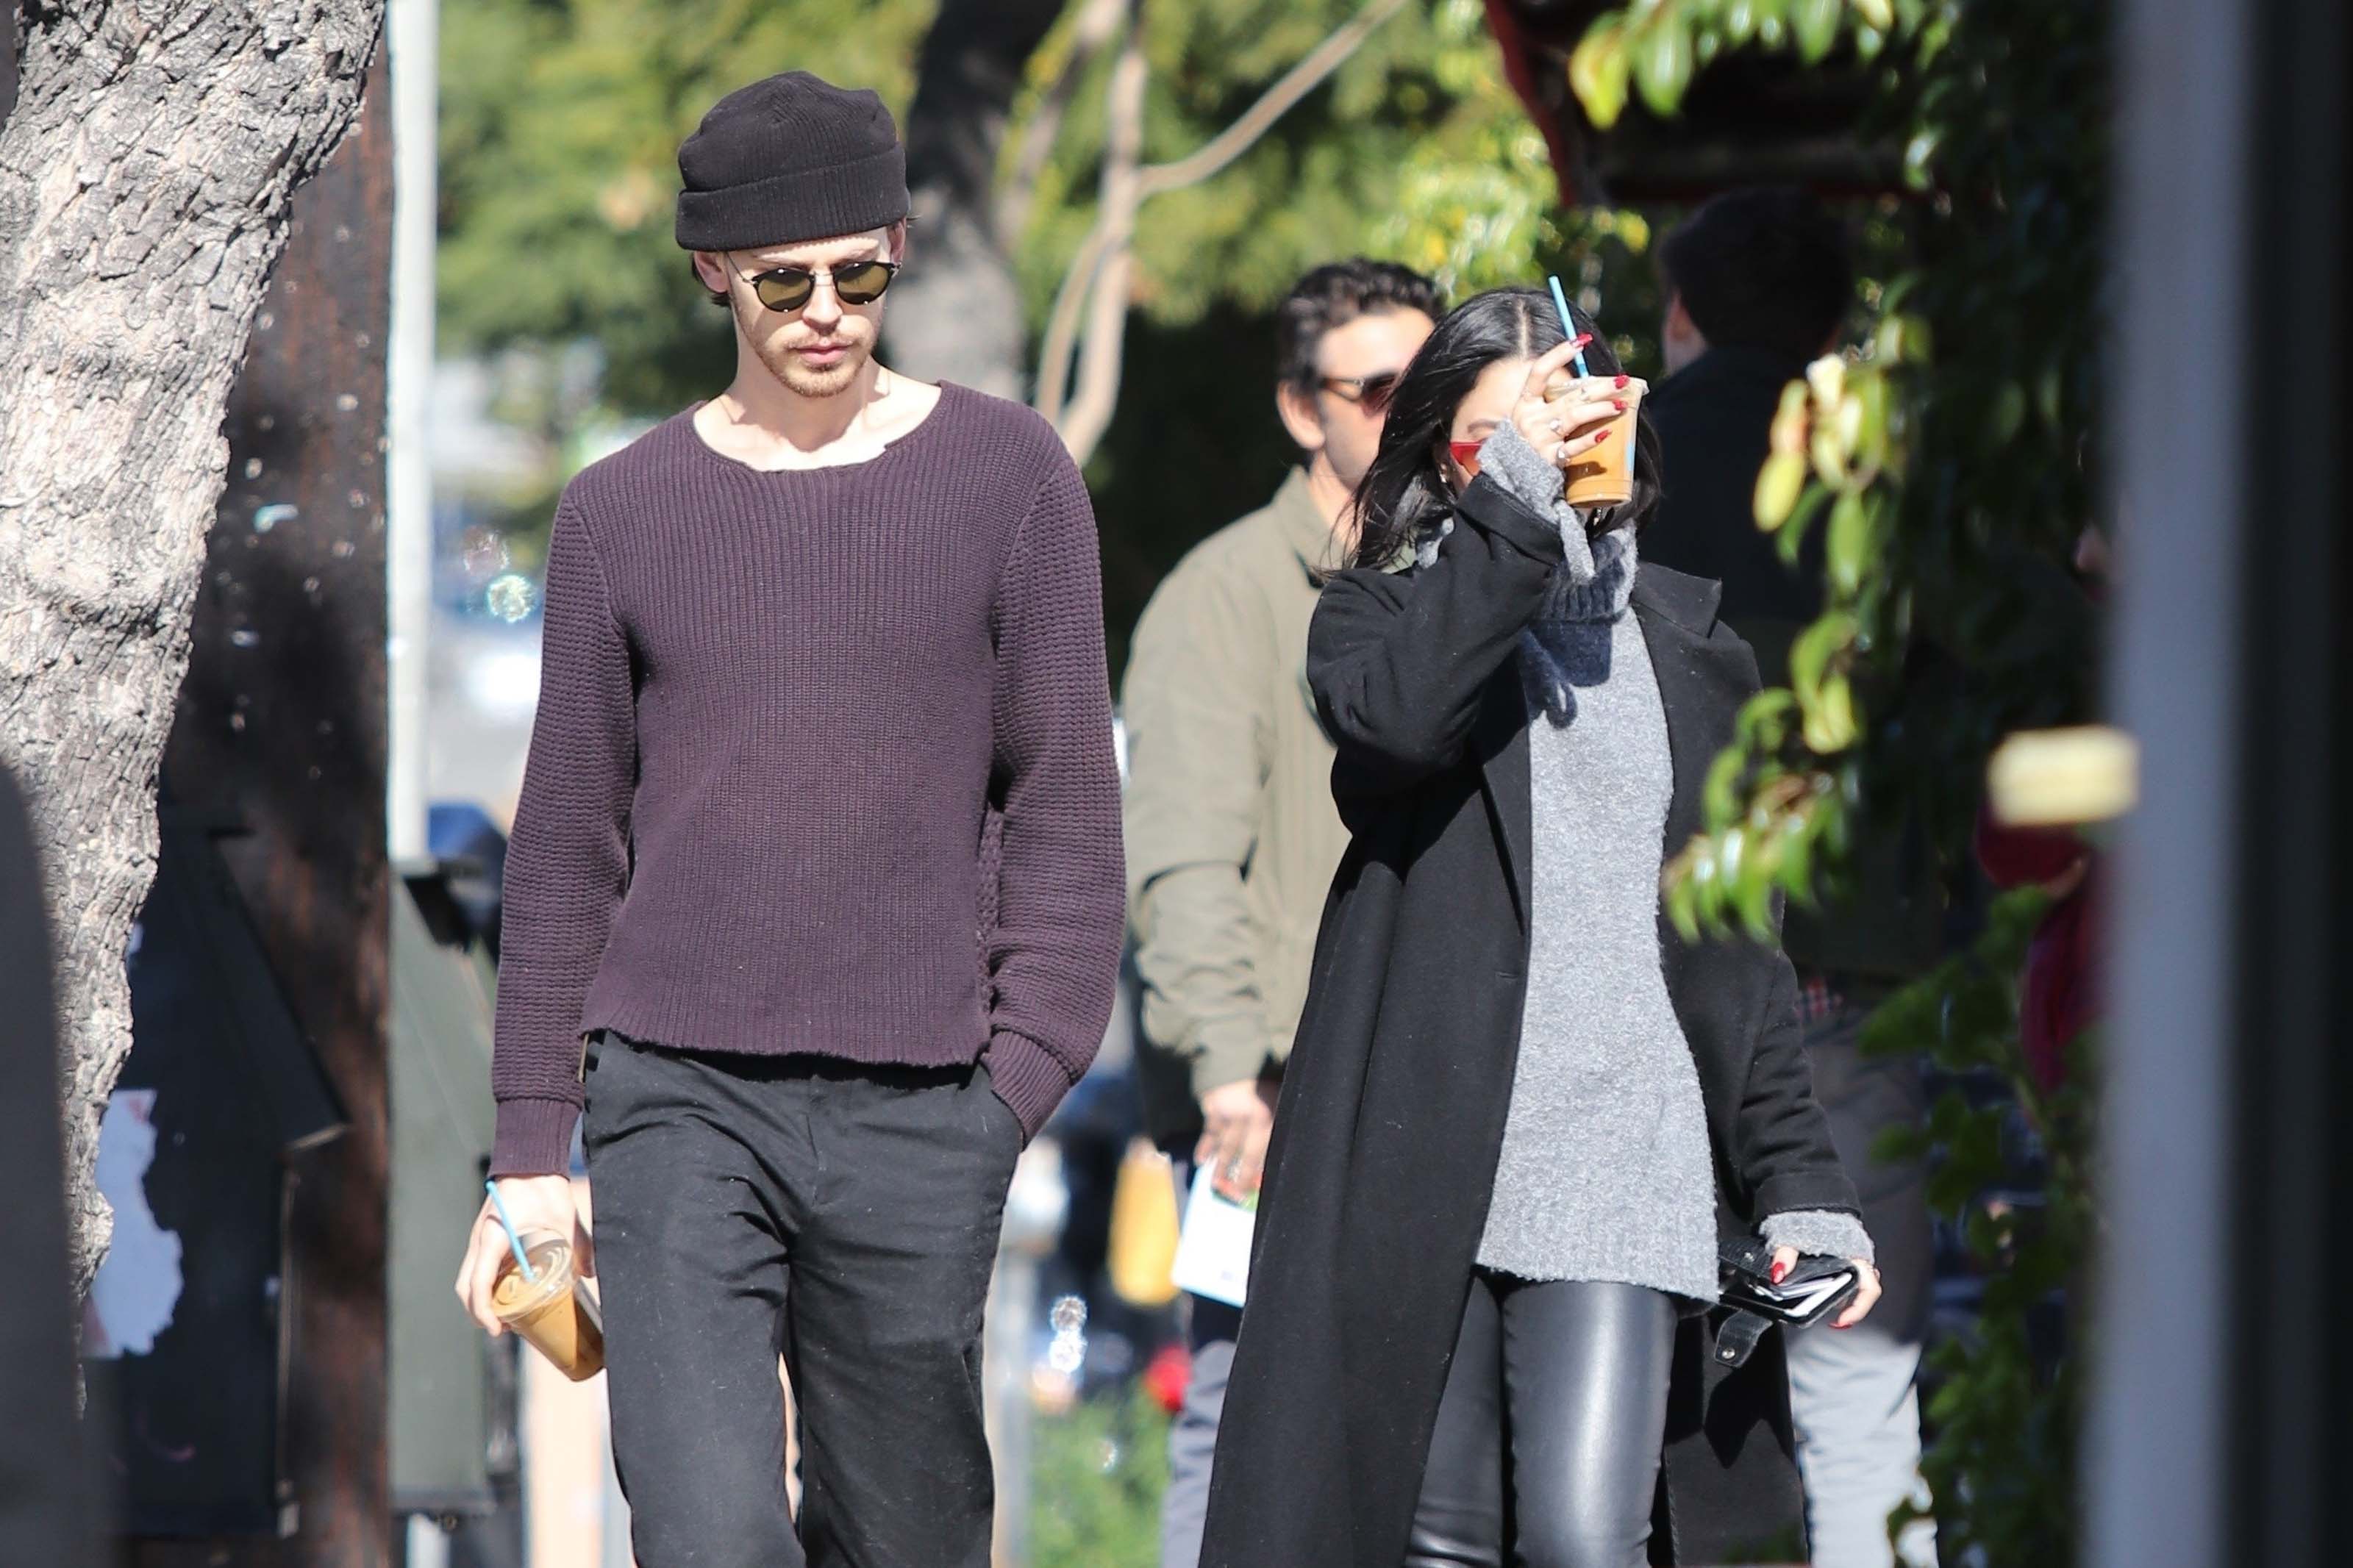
[1624,379]
[1603,436]
[1582,339]
[1778,1268]
[1618,404]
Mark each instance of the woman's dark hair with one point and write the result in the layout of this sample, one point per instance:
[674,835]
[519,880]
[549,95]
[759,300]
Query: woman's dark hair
[1404,491]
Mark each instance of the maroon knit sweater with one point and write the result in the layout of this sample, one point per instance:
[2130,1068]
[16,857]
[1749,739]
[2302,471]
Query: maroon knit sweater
[776,712]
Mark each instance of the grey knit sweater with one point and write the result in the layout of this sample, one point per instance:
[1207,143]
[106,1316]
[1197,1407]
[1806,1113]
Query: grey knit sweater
[1604,1173]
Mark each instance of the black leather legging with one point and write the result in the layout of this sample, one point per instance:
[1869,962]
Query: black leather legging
[1576,1372]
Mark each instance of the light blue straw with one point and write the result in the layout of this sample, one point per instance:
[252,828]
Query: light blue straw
[1560,303]
[513,1240]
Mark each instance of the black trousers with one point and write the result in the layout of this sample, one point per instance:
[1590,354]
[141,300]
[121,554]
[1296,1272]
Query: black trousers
[1546,1453]
[843,1216]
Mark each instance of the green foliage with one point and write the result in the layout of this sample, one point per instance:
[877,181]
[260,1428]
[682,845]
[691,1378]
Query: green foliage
[1318,185]
[2006,1409]
[1096,1481]
[1950,461]
[1948,458]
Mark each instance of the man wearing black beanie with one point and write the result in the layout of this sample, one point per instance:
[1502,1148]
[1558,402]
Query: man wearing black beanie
[815,897]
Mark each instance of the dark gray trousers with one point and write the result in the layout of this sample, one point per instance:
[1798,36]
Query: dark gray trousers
[843,1216]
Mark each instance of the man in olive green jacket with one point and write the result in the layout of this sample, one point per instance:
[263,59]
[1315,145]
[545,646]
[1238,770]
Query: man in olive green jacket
[1232,837]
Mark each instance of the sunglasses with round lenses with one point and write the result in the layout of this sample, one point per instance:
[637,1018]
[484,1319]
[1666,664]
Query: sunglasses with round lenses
[1370,393]
[789,288]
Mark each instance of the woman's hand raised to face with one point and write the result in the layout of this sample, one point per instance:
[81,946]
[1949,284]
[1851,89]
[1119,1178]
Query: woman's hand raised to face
[1565,419]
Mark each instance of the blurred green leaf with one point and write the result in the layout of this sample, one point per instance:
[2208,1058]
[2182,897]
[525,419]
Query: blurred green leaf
[1597,71]
[1830,457]
[1720,797]
[1662,63]
[1815,23]
[1830,726]
[1850,543]
[1778,483]
[2008,411]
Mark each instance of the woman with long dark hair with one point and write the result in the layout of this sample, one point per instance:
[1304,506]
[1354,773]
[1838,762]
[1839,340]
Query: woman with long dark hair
[1521,1111]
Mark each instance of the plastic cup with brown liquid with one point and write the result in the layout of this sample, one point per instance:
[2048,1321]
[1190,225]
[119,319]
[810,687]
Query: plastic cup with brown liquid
[1604,476]
[553,1310]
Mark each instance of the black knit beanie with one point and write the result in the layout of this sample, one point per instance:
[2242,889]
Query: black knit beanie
[788,159]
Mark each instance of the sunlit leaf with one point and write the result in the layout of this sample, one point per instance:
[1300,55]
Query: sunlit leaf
[1815,23]
[1830,717]
[1788,429]
[1720,797]
[1790,539]
[1810,653]
[1828,456]
[1848,546]
[1765,718]
[1827,377]
[1778,483]
[1662,64]
[1597,71]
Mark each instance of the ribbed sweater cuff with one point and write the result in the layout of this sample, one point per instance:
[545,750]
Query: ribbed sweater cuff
[1027,1077]
[533,1138]
[1818,1233]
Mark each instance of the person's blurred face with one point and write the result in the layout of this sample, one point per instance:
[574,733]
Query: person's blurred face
[1680,342]
[818,350]
[1487,405]
[1335,419]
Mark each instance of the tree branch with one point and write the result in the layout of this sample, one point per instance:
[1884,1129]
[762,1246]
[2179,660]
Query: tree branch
[1097,24]
[1095,287]
[1099,355]
[1297,82]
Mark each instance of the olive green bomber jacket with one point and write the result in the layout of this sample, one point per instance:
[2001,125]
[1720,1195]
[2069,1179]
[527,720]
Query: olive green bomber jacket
[1232,836]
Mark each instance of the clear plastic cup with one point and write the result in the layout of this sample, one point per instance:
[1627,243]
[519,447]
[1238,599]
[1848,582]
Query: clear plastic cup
[553,1310]
[1604,476]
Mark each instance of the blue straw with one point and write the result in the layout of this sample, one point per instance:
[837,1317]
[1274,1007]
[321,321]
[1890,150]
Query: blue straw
[1560,303]
[513,1240]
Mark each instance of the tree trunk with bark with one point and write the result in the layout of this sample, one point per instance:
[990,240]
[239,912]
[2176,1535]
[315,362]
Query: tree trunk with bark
[957,312]
[144,180]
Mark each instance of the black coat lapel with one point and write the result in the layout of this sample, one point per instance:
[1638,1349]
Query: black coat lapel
[1502,742]
[1702,683]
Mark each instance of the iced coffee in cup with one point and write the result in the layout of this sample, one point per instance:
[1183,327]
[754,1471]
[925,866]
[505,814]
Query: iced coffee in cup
[551,1309]
[1604,476]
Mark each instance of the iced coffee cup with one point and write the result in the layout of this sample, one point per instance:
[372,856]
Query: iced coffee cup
[553,1310]
[1604,476]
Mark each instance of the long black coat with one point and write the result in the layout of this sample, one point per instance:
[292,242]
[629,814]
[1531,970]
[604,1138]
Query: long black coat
[1394,1105]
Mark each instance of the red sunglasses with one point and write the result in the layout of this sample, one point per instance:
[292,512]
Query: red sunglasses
[1466,456]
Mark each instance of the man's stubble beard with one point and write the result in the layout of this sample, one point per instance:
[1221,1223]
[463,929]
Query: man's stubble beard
[798,377]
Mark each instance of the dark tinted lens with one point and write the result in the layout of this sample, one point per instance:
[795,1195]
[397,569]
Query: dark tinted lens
[862,282]
[785,288]
[1377,391]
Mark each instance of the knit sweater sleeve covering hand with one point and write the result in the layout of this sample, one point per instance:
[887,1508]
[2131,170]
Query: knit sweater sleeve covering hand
[1061,905]
[568,863]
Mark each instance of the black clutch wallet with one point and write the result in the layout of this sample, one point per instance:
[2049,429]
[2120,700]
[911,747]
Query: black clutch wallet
[1815,1289]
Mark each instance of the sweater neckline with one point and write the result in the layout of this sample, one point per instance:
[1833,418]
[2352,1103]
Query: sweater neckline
[950,393]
